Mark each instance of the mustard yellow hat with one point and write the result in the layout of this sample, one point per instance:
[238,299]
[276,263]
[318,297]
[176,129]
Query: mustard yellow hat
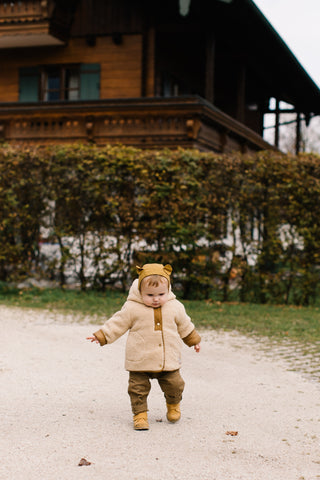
[154,269]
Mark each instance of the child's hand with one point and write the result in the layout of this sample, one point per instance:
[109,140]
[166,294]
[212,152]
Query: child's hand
[93,339]
[197,347]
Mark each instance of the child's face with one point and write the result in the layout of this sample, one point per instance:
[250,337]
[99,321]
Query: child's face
[155,296]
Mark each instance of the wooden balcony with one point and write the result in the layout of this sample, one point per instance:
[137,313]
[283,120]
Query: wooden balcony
[27,23]
[189,122]
[23,11]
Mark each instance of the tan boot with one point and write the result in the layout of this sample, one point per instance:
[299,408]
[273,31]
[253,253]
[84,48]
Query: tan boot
[140,421]
[173,412]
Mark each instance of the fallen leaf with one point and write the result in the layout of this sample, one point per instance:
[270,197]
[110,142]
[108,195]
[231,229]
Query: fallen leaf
[233,434]
[83,461]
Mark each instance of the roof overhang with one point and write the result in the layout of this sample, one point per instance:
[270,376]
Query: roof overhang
[248,35]
[285,77]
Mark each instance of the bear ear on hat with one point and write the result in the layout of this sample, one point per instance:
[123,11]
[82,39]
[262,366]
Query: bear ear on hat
[168,269]
[139,269]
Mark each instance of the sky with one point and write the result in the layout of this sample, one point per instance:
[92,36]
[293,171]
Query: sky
[297,22]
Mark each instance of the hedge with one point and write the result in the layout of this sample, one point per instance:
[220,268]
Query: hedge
[242,227]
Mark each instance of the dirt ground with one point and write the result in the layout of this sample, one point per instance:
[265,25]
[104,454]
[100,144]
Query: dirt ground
[63,399]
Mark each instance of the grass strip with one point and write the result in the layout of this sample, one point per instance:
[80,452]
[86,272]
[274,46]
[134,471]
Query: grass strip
[275,321]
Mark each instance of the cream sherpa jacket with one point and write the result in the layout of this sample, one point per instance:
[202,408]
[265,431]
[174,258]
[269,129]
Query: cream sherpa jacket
[154,338]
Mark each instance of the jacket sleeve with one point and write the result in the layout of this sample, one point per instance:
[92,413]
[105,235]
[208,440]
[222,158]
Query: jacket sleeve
[115,327]
[186,328]
[192,339]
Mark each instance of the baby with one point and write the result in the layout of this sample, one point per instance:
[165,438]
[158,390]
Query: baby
[156,322]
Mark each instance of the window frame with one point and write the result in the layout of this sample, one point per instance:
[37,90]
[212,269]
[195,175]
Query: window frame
[82,78]
[63,89]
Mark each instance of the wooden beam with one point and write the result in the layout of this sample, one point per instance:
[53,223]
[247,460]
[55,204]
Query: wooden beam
[148,67]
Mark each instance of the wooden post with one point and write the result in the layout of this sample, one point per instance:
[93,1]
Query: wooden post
[277,125]
[148,64]
[209,75]
[298,133]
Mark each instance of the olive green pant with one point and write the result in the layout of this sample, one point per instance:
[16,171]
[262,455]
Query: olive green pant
[171,383]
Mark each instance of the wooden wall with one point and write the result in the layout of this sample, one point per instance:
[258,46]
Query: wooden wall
[121,65]
[101,17]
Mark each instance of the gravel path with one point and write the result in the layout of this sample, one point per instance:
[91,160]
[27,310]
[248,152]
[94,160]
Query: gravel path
[63,399]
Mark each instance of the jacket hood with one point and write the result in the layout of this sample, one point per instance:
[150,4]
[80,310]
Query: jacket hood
[135,295]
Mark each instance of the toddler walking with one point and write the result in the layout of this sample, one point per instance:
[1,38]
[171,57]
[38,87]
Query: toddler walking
[156,322]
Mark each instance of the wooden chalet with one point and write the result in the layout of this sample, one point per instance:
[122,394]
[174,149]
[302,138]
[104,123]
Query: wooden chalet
[190,73]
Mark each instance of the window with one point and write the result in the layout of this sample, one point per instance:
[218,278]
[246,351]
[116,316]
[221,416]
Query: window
[52,83]
[61,83]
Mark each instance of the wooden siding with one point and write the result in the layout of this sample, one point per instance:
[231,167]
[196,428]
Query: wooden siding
[120,65]
[96,17]
[9,89]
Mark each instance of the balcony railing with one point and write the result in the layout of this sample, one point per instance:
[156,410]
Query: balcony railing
[188,122]
[23,11]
